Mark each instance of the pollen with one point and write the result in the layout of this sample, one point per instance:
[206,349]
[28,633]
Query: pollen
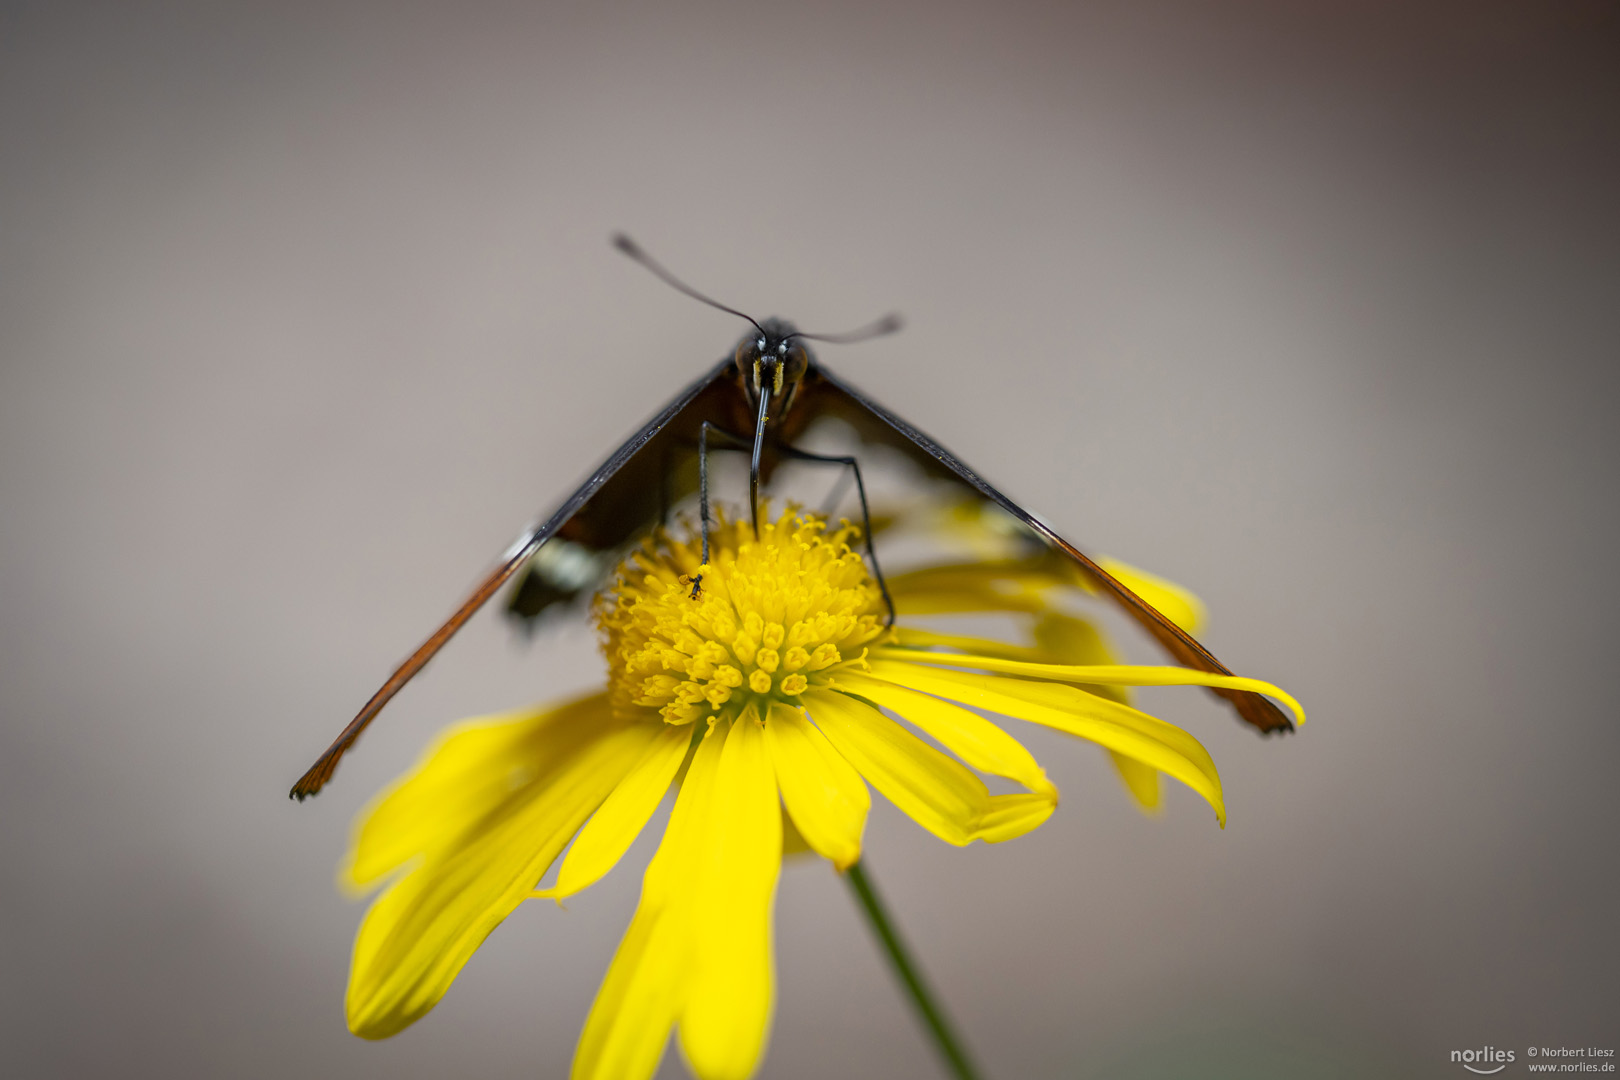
[766,619]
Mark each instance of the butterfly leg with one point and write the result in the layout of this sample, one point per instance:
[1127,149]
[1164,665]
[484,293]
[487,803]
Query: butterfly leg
[866,515]
[736,442]
[835,497]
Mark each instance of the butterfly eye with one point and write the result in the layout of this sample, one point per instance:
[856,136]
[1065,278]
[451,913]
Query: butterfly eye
[794,362]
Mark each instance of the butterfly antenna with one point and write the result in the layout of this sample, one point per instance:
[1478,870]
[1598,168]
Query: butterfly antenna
[634,250]
[886,325]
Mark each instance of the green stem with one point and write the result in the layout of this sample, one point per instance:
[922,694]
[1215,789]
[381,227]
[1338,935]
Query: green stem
[950,1046]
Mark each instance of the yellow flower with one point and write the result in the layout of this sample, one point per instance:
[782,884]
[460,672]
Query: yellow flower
[770,685]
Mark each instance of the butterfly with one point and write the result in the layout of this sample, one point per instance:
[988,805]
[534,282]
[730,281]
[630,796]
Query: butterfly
[771,387]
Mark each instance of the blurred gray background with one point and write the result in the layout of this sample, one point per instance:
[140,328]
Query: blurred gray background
[306,309]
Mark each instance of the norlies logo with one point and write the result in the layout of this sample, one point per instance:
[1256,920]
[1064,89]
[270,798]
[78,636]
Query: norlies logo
[1484,1061]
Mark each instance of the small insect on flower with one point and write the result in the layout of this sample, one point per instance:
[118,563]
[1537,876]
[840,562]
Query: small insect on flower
[768,671]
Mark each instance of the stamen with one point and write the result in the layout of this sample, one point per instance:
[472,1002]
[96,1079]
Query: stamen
[776,616]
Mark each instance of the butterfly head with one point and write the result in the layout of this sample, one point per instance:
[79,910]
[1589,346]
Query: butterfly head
[771,359]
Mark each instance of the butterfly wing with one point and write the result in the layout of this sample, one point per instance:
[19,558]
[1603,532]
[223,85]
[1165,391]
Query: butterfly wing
[622,498]
[824,394]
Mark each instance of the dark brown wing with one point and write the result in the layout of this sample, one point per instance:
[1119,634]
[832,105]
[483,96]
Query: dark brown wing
[622,498]
[824,394]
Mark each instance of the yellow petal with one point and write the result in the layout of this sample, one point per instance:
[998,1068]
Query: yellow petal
[1067,639]
[1025,584]
[1142,781]
[731,994]
[1181,606]
[1000,585]
[793,841]
[628,1026]
[935,791]
[1135,734]
[646,984]
[1060,638]
[616,824]
[418,934]
[1007,817]
[912,637]
[471,768]
[1096,674]
[969,736]
[984,528]
[824,795]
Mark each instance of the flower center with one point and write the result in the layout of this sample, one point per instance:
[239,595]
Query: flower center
[772,617]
